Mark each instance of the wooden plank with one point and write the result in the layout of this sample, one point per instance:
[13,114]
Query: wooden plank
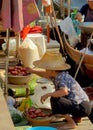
[5,118]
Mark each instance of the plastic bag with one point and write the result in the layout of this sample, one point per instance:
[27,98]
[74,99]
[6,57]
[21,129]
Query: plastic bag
[12,47]
[67,27]
[28,52]
[26,103]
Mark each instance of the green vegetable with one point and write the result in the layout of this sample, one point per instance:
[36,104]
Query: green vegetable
[15,115]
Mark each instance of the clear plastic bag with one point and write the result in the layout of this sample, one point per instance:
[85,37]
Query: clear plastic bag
[67,27]
[28,52]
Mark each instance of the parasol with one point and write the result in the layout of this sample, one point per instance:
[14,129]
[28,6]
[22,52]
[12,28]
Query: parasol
[15,15]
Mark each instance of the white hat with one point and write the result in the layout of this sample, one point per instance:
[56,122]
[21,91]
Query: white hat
[52,61]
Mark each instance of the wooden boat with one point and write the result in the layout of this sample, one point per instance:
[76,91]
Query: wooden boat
[76,55]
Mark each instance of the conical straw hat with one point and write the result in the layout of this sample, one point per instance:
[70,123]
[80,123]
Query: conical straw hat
[52,61]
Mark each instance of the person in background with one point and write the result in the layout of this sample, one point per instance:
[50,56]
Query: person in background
[85,14]
[86,11]
[68,99]
[11,99]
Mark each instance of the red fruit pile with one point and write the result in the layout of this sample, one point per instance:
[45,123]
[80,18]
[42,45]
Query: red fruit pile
[18,70]
[36,112]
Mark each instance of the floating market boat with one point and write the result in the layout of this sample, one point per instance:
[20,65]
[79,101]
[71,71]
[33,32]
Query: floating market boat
[78,57]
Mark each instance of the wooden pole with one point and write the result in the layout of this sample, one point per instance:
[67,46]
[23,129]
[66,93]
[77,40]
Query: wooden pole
[62,9]
[7,61]
[56,27]
[69,4]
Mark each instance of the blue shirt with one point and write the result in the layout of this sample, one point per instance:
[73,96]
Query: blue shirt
[76,93]
[87,12]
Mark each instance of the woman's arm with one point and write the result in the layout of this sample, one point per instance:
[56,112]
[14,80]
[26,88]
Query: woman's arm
[41,72]
[56,94]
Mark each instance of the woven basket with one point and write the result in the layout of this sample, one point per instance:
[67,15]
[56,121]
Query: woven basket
[19,80]
[39,121]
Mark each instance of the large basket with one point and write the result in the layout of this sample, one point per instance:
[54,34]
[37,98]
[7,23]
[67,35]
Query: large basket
[39,122]
[19,80]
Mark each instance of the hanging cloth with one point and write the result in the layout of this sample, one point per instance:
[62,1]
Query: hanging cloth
[17,14]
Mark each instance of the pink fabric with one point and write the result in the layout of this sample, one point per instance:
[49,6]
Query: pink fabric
[6,13]
[17,17]
[17,14]
[30,11]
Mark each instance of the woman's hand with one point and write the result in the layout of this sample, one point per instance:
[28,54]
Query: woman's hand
[44,97]
[28,69]
[79,17]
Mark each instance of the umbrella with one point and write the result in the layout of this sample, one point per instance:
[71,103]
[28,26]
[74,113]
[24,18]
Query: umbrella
[16,14]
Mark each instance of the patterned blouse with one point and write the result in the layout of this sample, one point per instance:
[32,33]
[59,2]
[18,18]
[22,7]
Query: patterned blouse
[76,93]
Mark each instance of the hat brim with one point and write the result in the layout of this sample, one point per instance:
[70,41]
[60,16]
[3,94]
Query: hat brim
[49,67]
[52,61]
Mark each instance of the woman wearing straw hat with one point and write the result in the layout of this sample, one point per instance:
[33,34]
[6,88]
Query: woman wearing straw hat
[68,99]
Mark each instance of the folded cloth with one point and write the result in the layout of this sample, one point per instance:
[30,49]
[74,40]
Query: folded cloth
[26,30]
[36,29]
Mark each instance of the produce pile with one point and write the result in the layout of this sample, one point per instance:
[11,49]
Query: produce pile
[18,70]
[37,113]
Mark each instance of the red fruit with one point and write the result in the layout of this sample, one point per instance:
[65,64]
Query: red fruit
[30,113]
[43,114]
[23,69]
[38,111]
[32,109]
[14,72]
[40,114]
[33,116]
[22,73]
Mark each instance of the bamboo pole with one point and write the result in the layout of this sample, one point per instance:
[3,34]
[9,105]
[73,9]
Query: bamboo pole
[69,4]
[7,61]
[62,9]
[56,27]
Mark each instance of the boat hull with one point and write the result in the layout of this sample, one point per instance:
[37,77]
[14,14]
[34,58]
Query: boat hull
[76,56]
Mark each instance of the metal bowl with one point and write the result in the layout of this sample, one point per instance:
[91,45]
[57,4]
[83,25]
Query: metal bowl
[19,80]
[86,27]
